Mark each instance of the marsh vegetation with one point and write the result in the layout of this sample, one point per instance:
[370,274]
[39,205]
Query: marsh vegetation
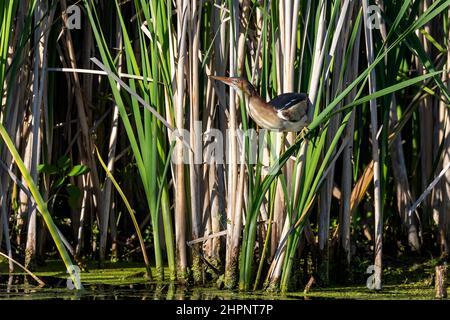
[117,146]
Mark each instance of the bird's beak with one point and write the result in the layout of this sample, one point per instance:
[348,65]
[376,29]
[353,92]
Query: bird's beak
[225,80]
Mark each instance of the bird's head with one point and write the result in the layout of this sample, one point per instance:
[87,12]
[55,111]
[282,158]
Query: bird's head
[241,85]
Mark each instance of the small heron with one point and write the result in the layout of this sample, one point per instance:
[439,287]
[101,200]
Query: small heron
[287,112]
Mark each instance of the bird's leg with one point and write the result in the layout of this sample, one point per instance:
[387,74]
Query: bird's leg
[303,134]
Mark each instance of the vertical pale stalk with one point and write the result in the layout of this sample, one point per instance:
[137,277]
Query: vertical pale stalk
[289,13]
[83,212]
[282,52]
[232,253]
[241,188]
[39,84]
[25,203]
[375,155]
[195,155]
[179,92]
[209,205]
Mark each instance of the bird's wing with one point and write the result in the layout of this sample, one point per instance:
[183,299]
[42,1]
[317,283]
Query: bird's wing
[291,106]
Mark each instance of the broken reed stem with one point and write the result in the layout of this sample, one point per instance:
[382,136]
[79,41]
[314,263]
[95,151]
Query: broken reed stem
[440,284]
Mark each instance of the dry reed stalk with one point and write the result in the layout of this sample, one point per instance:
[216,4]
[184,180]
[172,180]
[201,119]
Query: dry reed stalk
[35,139]
[182,10]
[232,252]
[195,155]
[375,155]
[281,53]
[242,25]
[208,177]
[347,174]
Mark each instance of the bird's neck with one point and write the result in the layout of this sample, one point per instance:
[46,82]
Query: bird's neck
[255,98]
[255,104]
[250,97]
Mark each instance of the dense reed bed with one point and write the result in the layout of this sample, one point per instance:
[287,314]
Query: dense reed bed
[116,144]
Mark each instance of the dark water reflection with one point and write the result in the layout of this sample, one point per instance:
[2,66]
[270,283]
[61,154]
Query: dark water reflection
[24,288]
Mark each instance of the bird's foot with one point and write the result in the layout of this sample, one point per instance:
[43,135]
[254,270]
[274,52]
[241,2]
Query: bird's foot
[303,134]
